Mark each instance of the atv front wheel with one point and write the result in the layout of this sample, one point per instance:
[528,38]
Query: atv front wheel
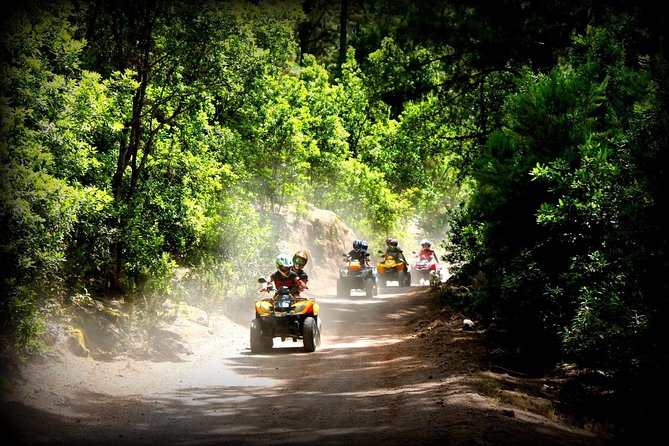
[435,280]
[258,342]
[342,289]
[369,288]
[405,280]
[311,335]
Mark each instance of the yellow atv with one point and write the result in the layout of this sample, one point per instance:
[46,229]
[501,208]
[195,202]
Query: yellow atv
[285,315]
[392,269]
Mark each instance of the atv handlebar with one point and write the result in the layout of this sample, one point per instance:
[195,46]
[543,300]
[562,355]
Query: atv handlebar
[270,288]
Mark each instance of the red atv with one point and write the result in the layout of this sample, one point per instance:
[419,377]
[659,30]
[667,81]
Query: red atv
[427,271]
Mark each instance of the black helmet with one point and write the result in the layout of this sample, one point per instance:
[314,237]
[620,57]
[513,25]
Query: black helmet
[357,244]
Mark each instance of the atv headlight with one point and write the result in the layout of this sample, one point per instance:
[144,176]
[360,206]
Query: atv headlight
[283,305]
[305,306]
[302,306]
[264,307]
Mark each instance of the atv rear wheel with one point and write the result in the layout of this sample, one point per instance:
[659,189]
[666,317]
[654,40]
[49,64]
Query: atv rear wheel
[311,334]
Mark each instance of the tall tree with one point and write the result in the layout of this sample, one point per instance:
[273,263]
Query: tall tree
[181,56]
[51,111]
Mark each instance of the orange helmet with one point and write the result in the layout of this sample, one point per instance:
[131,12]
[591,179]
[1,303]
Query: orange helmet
[300,259]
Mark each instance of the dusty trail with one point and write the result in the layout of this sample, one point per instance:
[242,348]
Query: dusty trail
[373,381]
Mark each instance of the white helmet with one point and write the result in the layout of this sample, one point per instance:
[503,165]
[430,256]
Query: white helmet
[283,264]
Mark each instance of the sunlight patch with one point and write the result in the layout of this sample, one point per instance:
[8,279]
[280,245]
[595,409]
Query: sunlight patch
[364,342]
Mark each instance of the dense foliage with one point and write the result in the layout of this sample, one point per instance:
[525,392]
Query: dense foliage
[144,144]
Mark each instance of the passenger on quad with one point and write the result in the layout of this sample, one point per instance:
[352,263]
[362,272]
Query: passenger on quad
[300,259]
[368,257]
[358,253]
[395,251]
[285,276]
[427,253]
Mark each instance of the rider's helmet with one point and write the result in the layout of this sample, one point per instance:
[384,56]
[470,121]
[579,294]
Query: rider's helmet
[300,259]
[364,245]
[357,244]
[393,243]
[425,243]
[283,264]
[388,240]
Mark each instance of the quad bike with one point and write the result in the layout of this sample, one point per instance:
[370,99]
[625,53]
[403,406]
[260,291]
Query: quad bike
[391,269]
[285,315]
[427,272]
[355,276]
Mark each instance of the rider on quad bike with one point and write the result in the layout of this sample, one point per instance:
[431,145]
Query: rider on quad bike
[285,276]
[393,249]
[359,253]
[427,253]
[389,242]
[300,259]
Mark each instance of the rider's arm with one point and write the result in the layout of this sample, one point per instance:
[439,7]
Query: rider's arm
[301,283]
[267,286]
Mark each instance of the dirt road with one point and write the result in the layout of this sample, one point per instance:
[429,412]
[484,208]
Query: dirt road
[378,378]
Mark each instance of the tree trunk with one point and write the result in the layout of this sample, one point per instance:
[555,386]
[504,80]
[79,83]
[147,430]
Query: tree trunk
[129,148]
[343,23]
